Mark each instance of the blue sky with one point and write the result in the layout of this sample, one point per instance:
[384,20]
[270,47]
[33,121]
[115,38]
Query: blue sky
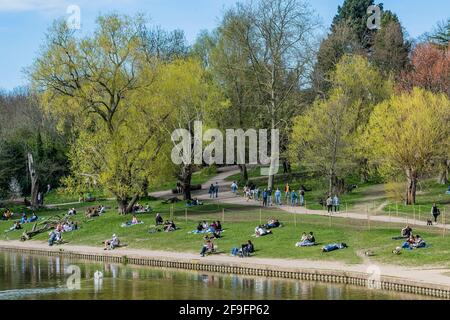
[23,23]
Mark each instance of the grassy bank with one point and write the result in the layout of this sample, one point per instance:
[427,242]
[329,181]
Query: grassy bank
[239,223]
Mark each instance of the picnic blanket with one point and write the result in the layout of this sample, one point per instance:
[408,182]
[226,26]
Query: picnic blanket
[129,224]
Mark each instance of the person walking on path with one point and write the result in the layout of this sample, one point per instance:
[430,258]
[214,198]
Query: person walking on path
[435,212]
[216,190]
[329,203]
[211,191]
[278,197]
[294,198]
[302,197]
[234,187]
[336,205]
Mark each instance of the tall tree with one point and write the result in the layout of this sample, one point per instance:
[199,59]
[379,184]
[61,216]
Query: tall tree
[277,38]
[97,81]
[406,133]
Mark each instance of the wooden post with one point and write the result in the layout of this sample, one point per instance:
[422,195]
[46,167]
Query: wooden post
[295,221]
[171,213]
[306,209]
[390,214]
[414,215]
[346,209]
[419,213]
[186,214]
[260,216]
[223,215]
[368,217]
[396,208]
[443,223]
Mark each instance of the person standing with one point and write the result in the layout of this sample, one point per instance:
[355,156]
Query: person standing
[435,212]
[211,191]
[278,197]
[269,196]
[287,190]
[329,203]
[216,190]
[264,196]
[302,197]
[336,204]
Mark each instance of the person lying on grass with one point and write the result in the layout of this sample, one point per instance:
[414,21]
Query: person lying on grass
[112,243]
[272,223]
[72,212]
[261,231]
[33,218]
[334,246]
[307,240]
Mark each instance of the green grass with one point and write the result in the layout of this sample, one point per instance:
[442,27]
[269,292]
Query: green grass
[240,222]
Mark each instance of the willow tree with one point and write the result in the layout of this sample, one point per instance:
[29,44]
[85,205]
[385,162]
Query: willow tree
[187,92]
[95,84]
[406,133]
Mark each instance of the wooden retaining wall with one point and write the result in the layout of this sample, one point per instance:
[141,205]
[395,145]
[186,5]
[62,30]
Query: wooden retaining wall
[326,276]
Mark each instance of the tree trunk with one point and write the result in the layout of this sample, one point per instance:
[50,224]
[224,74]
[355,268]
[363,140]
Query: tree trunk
[185,179]
[411,187]
[244,172]
[126,204]
[34,182]
[443,175]
[364,170]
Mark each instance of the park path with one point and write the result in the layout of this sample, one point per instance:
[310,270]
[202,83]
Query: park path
[358,212]
[421,274]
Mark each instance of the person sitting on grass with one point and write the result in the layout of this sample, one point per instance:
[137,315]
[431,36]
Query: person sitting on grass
[247,249]
[113,243]
[204,225]
[159,219]
[219,226]
[72,212]
[307,240]
[200,227]
[101,209]
[419,243]
[169,226]
[33,218]
[207,247]
[24,219]
[16,226]
[406,232]
[408,244]
[261,231]
[7,215]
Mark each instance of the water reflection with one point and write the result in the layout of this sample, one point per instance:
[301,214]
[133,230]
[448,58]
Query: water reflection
[33,277]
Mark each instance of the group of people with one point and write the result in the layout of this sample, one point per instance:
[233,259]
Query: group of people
[7,214]
[138,208]
[307,240]
[268,197]
[24,220]
[244,251]
[56,235]
[215,228]
[91,212]
[134,221]
[333,204]
[213,190]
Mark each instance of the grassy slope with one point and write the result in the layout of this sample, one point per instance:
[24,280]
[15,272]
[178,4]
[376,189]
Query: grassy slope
[239,224]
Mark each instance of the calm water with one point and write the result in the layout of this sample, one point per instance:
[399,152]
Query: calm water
[35,277]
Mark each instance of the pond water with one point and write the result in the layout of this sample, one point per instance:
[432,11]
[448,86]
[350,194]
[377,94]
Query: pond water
[36,277]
